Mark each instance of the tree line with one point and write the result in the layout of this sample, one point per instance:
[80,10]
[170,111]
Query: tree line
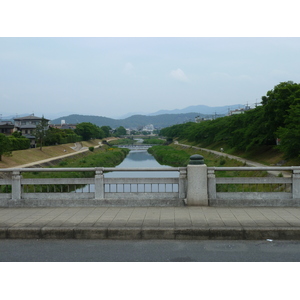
[275,122]
[53,136]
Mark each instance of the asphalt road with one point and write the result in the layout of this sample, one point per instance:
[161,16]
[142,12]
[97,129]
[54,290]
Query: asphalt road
[148,251]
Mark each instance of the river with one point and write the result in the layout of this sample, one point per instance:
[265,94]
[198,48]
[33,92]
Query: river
[136,159]
[140,159]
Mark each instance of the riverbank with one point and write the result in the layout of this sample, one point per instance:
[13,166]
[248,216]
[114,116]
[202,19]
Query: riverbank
[226,160]
[48,155]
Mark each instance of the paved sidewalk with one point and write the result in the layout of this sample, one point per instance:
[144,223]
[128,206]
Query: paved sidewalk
[151,223]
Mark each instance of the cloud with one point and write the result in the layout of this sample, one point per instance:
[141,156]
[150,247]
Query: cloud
[128,69]
[178,75]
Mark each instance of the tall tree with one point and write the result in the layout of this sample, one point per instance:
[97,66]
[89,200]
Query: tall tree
[106,130]
[120,131]
[289,135]
[41,131]
[89,131]
[276,104]
[4,146]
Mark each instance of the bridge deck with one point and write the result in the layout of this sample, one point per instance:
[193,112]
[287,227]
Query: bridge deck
[151,223]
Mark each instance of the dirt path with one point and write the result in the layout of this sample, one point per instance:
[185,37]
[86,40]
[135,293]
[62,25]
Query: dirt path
[77,148]
[249,163]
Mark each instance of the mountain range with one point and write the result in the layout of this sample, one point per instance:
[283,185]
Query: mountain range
[160,119]
[201,109]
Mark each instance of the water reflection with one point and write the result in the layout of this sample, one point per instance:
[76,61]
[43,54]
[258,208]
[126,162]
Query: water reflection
[137,159]
[140,159]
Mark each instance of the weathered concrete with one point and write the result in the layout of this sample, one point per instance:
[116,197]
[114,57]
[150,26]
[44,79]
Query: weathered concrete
[193,223]
[197,194]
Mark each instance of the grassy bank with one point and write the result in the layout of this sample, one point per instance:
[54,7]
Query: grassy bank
[22,157]
[166,155]
[268,155]
[154,141]
[179,156]
[100,157]
[122,142]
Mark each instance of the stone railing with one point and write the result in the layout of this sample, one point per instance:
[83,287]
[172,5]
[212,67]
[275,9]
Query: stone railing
[195,185]
[97,190]
[254,191]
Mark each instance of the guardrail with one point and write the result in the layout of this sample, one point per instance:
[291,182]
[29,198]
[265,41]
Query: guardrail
[215,190]
[254,191]
[96,190]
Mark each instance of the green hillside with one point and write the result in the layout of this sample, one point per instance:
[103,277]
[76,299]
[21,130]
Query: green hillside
[135,121]
[275,124]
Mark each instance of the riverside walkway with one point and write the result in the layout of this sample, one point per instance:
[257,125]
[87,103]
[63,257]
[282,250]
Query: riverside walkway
[194,223]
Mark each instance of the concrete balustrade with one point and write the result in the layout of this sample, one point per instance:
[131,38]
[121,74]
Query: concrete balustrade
[196,185]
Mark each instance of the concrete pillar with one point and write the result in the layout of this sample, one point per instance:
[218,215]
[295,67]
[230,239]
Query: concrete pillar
[99,184]
[212,189]
[296,184]
[182,183]
[197,182]
[16,191]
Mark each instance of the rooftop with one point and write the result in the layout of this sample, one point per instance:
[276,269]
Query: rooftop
[30,117]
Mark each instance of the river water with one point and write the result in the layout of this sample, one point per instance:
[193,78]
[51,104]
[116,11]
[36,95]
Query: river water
[140,159]
[136,159]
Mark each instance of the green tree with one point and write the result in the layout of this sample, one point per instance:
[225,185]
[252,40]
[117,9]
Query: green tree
[276,104]
[289,135]
[41,131]
[4,146]
[106,130]
[89,131]
[120,131]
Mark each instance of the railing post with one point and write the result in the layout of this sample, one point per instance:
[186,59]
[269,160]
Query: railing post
[99,184]
[197,182]
[212,189]
[296,184]
[16,191]
[182,183]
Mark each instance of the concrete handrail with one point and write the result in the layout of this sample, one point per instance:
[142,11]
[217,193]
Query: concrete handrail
[92,169]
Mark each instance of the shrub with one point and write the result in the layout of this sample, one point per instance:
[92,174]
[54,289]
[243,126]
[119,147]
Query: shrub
[222,161]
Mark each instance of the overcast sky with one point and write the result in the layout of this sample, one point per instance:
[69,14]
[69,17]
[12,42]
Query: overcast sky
[113,76]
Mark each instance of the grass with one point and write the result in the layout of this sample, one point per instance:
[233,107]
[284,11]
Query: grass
[22,157]
[268,155]
[214,160]
[101,157]
[166,155]
[122,142]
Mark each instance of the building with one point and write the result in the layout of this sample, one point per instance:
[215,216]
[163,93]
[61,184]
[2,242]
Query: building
[149,127]
[64,126]
[239,111]
[27,125]
[199,119]
[6,127]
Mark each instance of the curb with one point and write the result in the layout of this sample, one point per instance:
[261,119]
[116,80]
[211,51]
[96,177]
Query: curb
[234,233]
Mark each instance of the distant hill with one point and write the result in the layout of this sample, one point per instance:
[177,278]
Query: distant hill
[200,109]
[159,121]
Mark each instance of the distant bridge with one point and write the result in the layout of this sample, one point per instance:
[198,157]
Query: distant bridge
[137,146]
[141,136]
